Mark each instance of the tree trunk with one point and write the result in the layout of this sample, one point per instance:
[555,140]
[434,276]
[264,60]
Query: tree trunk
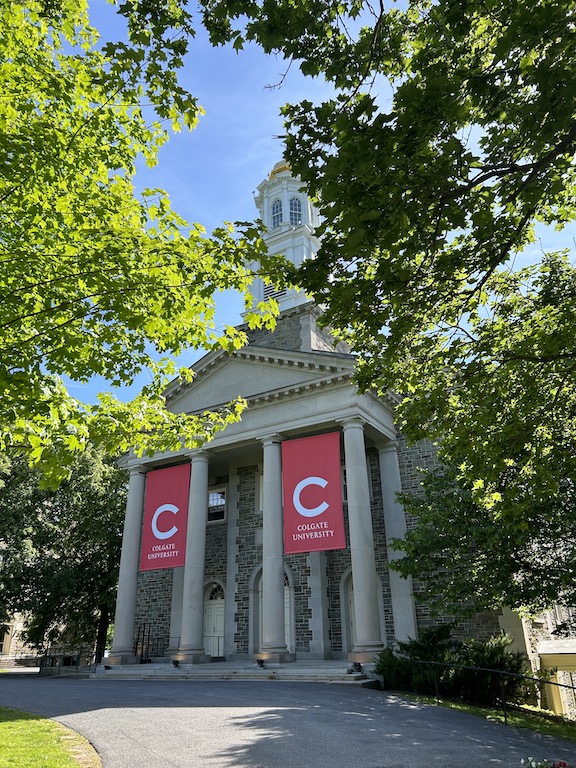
[103,622]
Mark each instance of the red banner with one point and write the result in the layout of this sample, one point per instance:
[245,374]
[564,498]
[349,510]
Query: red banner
[165,518]
[313,514]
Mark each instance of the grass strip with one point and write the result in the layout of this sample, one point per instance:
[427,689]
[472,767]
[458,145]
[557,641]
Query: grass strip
[34,742]
[539,721]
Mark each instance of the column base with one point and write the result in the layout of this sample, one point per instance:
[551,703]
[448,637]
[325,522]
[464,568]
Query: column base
[116,659]
[365,654]
[190,658]
[273,657]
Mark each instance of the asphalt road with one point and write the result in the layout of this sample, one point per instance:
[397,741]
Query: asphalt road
[272,724]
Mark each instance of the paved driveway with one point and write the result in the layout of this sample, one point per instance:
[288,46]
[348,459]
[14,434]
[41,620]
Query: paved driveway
[228,724]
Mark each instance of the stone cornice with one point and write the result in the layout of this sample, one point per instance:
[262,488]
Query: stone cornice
[290,390]
[332,363]
[390,398]
[337,367]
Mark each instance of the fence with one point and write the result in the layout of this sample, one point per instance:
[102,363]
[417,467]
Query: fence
[62,660]
[501,674]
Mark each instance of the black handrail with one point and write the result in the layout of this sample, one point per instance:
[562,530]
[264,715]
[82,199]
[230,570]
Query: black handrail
[219,640]
[142,643]
[499,672]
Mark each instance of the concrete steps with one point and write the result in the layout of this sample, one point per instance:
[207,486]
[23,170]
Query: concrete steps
[9,662]
[320,672]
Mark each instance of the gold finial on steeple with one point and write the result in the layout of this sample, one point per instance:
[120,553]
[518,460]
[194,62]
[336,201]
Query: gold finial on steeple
[281,165]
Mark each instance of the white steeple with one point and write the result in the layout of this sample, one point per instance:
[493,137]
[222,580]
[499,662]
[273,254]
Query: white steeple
[290,219]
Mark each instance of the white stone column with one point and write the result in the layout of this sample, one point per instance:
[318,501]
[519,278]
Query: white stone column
[364,576]
[191,648]
[285,203]
[123,645]
[273,646]
[403,610]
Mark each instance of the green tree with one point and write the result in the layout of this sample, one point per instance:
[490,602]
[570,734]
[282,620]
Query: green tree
[471,560]
[60,550]
[95,278]
[452,135]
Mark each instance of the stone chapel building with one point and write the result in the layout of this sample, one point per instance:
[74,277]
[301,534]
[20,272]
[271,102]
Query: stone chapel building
[236,594]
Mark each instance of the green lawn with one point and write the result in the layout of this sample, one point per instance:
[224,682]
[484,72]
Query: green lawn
[538,721]
[30,741]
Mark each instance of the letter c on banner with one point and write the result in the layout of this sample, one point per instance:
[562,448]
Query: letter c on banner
[164,534]
[300,508]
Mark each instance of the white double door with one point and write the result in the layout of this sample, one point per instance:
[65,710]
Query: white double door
[214,627]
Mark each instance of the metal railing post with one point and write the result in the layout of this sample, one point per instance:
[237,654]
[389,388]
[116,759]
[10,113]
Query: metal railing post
[503,693]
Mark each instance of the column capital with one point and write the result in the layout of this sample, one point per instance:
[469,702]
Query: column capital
[387,446]
[352,422]
[270,439]
[137,469]
[133,465]
[197,454]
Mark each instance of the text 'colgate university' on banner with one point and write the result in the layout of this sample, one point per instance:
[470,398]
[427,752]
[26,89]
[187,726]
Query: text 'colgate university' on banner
[313,514]
[165,518]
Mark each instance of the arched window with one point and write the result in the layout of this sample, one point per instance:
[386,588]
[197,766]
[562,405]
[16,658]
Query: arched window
[276,213]
[216,593]
[295,211]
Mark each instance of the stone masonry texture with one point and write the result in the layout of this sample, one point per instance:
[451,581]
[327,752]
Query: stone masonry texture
[153,606]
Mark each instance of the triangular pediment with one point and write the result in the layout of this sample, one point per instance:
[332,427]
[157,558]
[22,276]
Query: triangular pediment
[254,373]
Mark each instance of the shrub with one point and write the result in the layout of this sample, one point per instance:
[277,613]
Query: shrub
[402,671]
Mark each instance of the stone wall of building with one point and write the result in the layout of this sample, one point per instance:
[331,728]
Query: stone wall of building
[300,573]
[296,329]
[216,545]
[248,551]
[249,558]
[412,458]
[153,605]
[338,563]
[287,334]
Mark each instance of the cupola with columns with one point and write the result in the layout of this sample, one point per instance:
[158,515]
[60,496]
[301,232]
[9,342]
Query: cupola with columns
[290,219]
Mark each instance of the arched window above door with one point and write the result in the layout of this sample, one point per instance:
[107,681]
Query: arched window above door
[216,593]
